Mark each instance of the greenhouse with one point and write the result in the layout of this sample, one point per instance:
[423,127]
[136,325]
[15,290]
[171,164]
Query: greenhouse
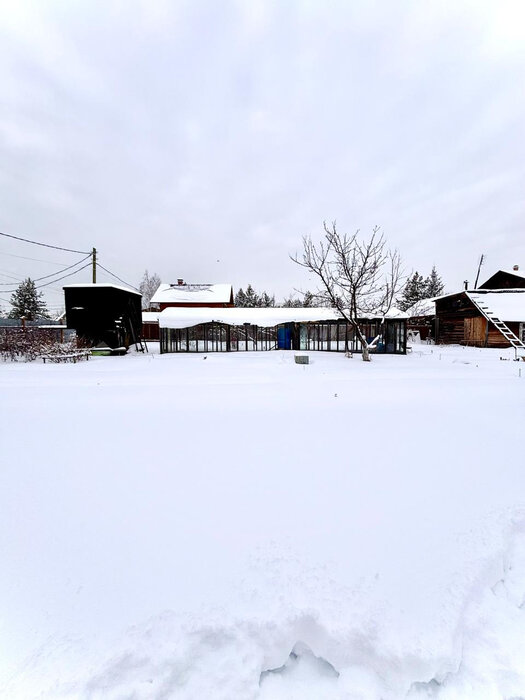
[241,330]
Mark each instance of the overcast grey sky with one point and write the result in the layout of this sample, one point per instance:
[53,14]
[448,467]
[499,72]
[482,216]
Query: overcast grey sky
[202,139]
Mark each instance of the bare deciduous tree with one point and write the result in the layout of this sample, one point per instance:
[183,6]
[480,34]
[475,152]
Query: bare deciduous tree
[148,287]
[358,277]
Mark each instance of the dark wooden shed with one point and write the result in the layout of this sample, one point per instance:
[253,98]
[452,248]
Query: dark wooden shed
[104,313]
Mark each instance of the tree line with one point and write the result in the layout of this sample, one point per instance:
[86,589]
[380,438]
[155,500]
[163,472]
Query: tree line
[251,299]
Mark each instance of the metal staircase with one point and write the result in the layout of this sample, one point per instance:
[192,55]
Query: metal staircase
[512,338]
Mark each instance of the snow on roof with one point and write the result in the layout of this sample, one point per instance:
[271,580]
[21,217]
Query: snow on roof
[506,304]
[193,294]
[182,317]
[150,316]
[423,307]
[102,284]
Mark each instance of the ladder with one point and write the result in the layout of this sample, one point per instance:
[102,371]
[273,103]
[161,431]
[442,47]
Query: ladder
[502,327]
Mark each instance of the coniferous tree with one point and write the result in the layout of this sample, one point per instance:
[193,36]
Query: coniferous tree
[434,286]
[28,301]
[306,302]
[292,303]
[266,300]
[415,289]
[240,298]
[252,298]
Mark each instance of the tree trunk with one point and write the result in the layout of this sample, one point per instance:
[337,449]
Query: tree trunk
[365,350]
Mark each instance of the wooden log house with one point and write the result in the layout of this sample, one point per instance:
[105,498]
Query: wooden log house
[480,317]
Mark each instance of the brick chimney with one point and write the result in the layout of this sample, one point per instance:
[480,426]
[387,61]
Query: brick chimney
[516,268]
[180,281]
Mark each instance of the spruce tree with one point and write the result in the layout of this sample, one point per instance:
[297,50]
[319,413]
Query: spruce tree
[266,300]
[415,290]
[251,297]
[434,286]
[240,298]
[308,300]
[28,301]
[292,303]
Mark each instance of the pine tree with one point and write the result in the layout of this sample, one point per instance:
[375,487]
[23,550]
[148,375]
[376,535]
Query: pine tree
[415,289]
[240,298]
[434,286]
[292,303]
[251,297]
[266,300]
[308,300]
[28,301]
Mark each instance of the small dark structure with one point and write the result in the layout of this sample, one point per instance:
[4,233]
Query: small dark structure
[150,325]
[104,313]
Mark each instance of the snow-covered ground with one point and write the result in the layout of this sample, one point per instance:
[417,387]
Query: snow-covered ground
[240,527]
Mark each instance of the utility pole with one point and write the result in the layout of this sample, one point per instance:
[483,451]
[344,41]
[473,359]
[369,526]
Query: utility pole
[94,257]
[479,268]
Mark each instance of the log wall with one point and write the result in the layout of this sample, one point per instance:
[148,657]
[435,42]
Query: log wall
[459,322]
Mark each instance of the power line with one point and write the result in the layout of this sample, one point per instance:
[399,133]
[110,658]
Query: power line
[52,281]
[53,274]
[44,245]
[118,278]
[3,273]
[104,276]
[64,277]
[37,279]
[24,257]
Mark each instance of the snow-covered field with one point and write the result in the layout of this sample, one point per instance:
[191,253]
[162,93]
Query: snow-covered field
[178,526]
